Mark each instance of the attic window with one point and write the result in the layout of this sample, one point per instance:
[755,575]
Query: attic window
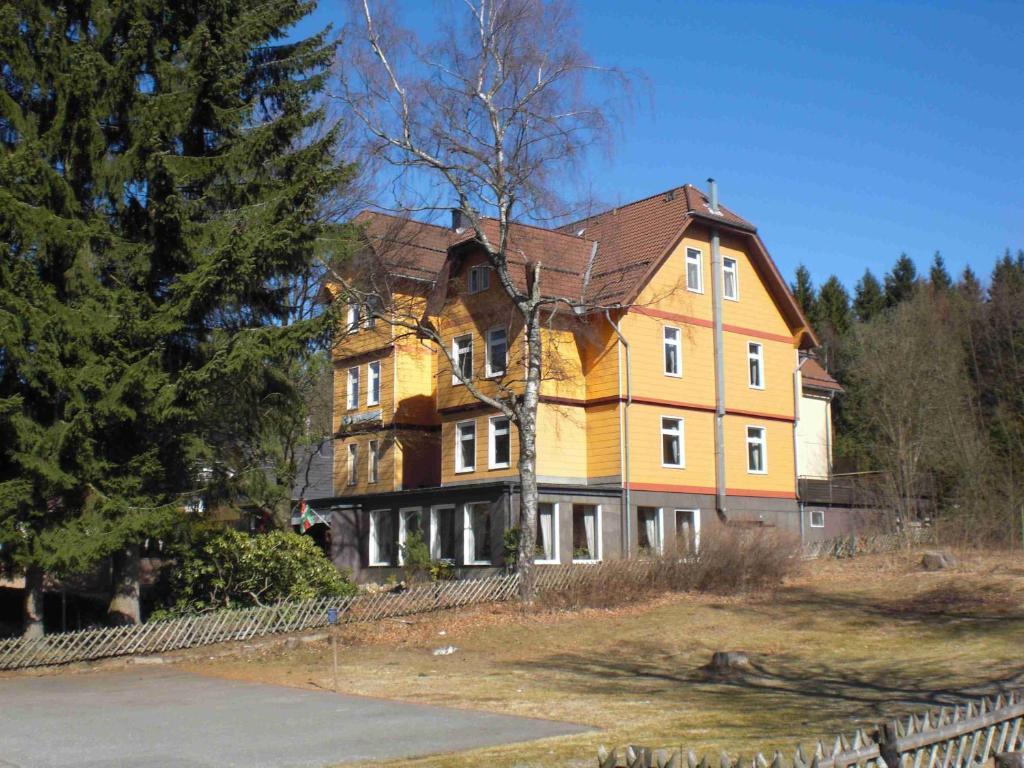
[479,278]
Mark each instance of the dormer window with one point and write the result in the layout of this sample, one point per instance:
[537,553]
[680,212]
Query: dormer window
[353,317]
[479,278]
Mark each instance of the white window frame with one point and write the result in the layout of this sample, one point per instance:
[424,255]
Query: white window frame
[659,547]
[352,317]
[373,461]
[456,381]
[467,530]
[764,448]
[697,255]
[555,514]
[459,467]
[481,276]
[734,270]
[598,536]
[680,432]
[352,468]
[373,378]
[489,369]
[492,448]
[695,516]
[352,389]
[369,321]
[678,344]
[373,561]
[812,513]
[403,531]
[759,356]
[435,532]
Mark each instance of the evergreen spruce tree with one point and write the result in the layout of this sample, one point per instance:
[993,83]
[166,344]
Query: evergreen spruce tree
[161,170]
[803,290]
[969,287]
[832,309]
[868,300]
[939,275]
[901,282]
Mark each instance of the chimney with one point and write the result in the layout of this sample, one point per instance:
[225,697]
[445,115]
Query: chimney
[458,220]
[713,195]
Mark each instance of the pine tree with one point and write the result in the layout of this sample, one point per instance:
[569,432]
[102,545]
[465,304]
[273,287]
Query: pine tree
[868,300]
[938,275]
[832,309]
[969,287]
[803,290]
[158,191]
[901,282]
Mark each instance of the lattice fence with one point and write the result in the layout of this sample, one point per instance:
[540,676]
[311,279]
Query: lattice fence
[951,737]
[854,545]
[246,623]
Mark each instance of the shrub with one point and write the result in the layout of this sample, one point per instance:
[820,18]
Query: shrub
[223,568]
[417,563]
[731,560]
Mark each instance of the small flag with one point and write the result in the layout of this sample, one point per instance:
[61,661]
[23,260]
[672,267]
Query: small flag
[307,518]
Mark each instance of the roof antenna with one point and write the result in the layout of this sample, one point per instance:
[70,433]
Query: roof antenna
[713,195]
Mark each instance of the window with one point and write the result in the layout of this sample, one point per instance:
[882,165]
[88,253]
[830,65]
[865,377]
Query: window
[687,531]
[817,518]
[465,446]
[410,521]
[477,545]
[373,459]
[500,445]
[353,467]
[497,351]
[672,442]
[353,388]
[547,533]
[442,533]
[462,356]
[673,353]
[479,278]
[648,531]
[586,533]
[353,317]
[730,279]
[374,383]
[755,364]
[383,537]
[757,460]
[372,307]
[694,270]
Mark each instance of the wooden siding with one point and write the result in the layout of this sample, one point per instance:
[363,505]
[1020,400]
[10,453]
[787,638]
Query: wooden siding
[698,474]
[562,441]
[481,471]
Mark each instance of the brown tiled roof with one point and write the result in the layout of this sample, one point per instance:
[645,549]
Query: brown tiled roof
[814,376]
[604,259]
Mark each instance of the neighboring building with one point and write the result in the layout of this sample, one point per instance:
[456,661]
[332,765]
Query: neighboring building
[629,416]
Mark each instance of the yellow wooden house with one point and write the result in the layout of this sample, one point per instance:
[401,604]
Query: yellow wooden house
[668,397]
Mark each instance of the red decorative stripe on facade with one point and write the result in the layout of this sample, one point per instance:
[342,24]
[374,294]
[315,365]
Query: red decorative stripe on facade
[690,320]
[709,491]
[577,403]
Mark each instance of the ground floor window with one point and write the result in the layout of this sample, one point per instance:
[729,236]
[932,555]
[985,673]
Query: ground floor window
[410,523]
[649,534]
[383,537]
[817,518]
[477,543]
[687,531]
[442,533]
[586,532]
[547,533]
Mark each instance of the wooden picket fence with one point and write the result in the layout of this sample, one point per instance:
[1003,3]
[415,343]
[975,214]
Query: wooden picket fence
[961,736]
[854,545]
[246,623]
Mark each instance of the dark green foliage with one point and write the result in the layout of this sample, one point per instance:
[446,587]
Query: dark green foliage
[803,290]
[901,282]
[969,286]
[223,568]
[832,310]
[868,298]
[417,563]
[161,170]
[938,275]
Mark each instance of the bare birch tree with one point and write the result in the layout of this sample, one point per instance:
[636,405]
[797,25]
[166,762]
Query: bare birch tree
[492,114]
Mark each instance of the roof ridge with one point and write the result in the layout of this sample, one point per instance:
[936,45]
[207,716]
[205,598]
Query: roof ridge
[630,204]
[372,212]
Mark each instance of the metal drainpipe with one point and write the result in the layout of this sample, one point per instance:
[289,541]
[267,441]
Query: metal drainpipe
[797,394]
[716,316]
[626,501]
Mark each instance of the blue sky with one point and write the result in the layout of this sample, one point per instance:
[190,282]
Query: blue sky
[847,132]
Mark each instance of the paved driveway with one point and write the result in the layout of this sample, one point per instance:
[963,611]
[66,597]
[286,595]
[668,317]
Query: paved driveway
[171,719]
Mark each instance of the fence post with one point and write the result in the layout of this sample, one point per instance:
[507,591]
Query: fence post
[887,735]
[1010,760]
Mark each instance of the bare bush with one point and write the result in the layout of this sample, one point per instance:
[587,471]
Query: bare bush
[731,560]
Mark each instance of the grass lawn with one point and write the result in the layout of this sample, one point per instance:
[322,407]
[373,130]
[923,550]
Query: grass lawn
[837,646]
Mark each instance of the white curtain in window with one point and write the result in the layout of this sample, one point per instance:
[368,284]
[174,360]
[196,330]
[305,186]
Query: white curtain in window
[651,529]
[590,525]
[546,531]
[480,520]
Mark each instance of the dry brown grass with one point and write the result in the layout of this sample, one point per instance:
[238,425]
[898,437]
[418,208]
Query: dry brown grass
[838,644]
